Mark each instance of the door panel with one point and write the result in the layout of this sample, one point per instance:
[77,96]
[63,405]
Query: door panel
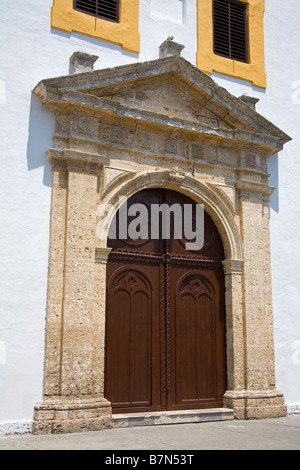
[165,326]
[132,372]
[197,338]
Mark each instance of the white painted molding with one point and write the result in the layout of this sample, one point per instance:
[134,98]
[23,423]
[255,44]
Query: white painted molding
[15,427]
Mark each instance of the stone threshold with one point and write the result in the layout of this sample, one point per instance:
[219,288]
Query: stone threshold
[172,417]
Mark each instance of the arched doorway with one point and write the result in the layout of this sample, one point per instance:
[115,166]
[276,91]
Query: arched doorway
[165,326]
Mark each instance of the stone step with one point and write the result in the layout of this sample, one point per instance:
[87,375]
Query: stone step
[172,417]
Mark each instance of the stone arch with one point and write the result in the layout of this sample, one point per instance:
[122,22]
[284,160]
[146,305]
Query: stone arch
[222,213]
[219,208]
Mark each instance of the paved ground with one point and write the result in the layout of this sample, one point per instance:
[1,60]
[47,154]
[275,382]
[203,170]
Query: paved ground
[279,434]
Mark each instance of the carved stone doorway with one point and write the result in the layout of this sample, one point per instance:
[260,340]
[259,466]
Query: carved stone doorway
[159,124]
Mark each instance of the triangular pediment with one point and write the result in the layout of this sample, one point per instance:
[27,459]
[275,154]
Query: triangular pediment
[160,91]
[170,95]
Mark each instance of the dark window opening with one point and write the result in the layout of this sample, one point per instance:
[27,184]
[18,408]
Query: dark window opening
[105,9]
[230,29]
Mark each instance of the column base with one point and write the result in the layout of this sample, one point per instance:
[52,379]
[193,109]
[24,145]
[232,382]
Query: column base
[256,404]
[67,415]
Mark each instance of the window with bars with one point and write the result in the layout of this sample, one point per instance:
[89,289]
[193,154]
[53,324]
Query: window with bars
[230,29]
[105,9]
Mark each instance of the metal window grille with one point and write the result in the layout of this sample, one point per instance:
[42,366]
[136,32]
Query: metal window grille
[230,28]
[105,9]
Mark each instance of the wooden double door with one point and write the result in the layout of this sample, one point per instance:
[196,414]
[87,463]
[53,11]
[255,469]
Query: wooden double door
[165,324]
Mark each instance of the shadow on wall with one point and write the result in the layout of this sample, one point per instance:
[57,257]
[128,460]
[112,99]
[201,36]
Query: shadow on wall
[239,84]
[273,181]
[40,138]
[82,42]
[42,121]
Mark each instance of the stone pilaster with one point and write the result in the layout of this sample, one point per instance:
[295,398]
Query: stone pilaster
[233,270]
[55,300]
[259,398]
[74,364]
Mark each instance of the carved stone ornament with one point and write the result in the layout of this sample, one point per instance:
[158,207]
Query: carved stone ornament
[176,177]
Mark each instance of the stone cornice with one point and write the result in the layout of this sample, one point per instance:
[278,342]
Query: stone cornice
[114,79]
[102,254]
[233,267]
[72,158]
[74,101]
[251,188]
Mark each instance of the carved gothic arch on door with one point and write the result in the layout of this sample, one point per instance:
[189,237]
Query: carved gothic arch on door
[160,124]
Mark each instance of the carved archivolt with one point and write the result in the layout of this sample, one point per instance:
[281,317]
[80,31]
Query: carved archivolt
[216,206]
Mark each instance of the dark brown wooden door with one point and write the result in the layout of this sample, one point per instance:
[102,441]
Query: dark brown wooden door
[165,325]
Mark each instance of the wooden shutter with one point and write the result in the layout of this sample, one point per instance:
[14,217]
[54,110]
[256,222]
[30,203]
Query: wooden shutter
[105,9]
[230,29]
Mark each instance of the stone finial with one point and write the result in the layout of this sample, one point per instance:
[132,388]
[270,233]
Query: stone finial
[249,100]
[82,62]
[170,48]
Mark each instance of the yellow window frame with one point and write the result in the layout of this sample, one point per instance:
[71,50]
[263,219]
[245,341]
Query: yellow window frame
[125,33]
[209,62]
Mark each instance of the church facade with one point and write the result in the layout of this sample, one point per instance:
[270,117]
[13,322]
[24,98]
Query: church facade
[182,105]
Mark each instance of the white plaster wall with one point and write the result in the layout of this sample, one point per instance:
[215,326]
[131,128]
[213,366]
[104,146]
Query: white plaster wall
[33,51]
[280,103]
